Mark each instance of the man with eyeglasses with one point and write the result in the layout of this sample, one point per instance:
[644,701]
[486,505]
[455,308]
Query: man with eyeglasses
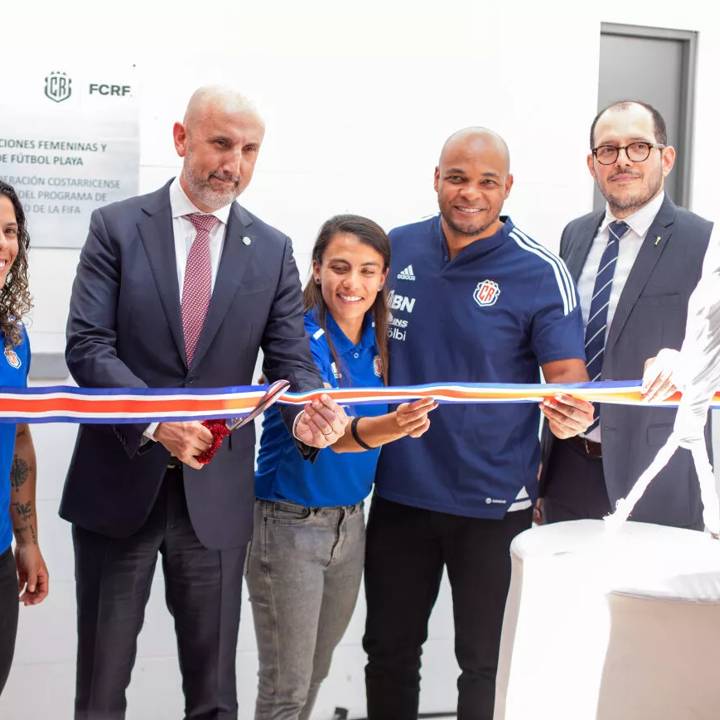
[636,264]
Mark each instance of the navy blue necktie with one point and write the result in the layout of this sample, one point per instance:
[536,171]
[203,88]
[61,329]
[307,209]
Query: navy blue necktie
[596,329]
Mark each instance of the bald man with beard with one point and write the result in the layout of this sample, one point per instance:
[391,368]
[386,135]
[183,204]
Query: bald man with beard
[473,299]
[178,288]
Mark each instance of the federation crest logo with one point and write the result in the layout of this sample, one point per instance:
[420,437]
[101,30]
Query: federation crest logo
[486,293]
[12,358]
[58,86]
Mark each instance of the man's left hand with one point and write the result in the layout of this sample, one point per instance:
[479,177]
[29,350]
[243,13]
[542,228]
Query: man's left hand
[567,415]
[320,423]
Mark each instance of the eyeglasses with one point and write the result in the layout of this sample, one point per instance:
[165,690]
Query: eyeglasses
[635,152]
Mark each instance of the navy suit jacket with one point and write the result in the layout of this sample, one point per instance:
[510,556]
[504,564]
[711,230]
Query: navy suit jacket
[651,314]
[125,330]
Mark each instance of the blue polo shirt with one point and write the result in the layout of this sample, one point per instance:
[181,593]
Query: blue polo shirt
[501,308]
[334,478]
[14,364]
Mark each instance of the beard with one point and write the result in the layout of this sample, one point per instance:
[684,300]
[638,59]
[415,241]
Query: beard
[469,228]
[634,201]
[201,188]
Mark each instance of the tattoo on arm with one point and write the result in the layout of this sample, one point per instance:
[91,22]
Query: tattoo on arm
[20,532]
[19,472]
[24,510]
[24,513]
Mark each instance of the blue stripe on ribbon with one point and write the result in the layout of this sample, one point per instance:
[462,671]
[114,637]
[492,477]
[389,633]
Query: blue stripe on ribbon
[530,393]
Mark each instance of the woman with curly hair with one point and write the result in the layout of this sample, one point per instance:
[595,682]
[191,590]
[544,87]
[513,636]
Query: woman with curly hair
[26,573]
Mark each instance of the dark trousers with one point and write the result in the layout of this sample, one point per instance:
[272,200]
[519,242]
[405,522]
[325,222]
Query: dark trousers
[202,591]
[406,551]
[574,485]
[8,613]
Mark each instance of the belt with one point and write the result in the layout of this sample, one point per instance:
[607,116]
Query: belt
[173,464]
[587,447]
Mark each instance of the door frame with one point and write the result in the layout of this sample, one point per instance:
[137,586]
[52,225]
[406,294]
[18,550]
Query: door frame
[689,41]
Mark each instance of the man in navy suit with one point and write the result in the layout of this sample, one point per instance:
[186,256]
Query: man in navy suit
[645,283]
[178,288]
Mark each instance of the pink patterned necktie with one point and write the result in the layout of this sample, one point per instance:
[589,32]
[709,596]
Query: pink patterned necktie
[198,279]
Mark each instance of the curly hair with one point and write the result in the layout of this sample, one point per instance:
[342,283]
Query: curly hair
[15,298]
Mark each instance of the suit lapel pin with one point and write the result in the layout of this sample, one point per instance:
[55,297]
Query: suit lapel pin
[657,240]
[246,240]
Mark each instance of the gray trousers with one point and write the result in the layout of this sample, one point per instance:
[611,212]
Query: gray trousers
[304,571]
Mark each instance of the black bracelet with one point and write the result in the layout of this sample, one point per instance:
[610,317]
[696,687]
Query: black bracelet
[356,437]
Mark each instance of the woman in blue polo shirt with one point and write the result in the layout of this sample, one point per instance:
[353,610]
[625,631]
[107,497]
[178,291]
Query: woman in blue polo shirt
[26,570]
[306,556]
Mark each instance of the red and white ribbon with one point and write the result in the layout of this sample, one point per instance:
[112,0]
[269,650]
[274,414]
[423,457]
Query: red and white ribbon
[132,405]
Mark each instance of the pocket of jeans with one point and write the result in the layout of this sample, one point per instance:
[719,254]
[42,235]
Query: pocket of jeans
[290,513]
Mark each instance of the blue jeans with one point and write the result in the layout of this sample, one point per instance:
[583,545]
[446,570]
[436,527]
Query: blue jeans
[304,571]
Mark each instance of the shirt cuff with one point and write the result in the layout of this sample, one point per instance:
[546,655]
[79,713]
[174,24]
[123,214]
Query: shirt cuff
[149,431]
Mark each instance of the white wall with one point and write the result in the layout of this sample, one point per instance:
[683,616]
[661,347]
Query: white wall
[358,99]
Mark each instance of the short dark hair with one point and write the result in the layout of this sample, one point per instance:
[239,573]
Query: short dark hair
[658,121]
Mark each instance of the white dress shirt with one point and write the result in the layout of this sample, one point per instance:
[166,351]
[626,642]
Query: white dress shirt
[184,236]
[639,223]
[184,232]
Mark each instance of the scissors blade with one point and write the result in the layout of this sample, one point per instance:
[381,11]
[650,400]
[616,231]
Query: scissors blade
[271,396]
